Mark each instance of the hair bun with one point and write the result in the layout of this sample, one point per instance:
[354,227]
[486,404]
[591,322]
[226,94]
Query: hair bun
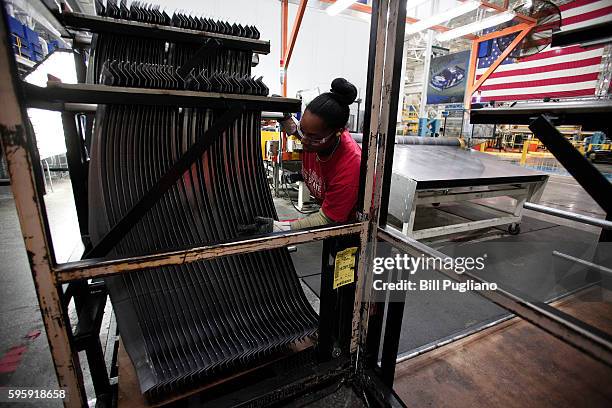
[343,91]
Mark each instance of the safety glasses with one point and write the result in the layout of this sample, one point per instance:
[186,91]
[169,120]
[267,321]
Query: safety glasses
[308,140]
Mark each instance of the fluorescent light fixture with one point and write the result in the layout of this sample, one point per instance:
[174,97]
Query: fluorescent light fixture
[339,6]
[476,26]
[439,18]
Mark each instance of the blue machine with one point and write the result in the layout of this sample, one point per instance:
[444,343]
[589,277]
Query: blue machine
[25,41]
[598,138]
[19,42]
[33,41]
[52,45]
[429,127]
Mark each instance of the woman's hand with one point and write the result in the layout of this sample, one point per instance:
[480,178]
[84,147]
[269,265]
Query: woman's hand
[263,225]
[289,125]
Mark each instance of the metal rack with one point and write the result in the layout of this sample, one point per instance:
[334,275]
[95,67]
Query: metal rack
[590,114]
[130,28]
[50,277]
[56,95]
[356,302]
[542,118]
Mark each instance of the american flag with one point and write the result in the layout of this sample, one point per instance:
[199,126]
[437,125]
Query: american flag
[560,72]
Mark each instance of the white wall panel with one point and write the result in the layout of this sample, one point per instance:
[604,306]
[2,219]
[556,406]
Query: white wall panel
[327,47]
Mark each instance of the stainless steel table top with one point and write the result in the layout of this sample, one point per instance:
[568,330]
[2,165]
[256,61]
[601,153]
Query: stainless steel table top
[447,166]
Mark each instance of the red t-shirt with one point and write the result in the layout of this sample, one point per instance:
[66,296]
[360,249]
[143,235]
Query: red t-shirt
[335,182]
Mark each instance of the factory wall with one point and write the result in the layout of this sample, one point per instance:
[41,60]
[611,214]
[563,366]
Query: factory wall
[327,47]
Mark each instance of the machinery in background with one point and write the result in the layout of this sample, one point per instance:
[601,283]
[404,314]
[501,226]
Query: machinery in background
[282,158]
[30,39]
[429,127]
[26,42]
[598,148]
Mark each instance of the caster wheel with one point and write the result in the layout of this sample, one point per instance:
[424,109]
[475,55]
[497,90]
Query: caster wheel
[435,204]
[514,229]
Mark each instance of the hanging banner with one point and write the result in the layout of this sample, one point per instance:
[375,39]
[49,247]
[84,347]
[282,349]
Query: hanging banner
[447,78]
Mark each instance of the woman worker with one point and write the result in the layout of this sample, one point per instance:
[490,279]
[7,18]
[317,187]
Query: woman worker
[330,161]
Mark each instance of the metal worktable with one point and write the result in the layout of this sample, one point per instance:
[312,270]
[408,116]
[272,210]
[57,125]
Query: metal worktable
[425,175]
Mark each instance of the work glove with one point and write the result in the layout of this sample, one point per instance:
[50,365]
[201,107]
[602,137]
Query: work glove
[263,225]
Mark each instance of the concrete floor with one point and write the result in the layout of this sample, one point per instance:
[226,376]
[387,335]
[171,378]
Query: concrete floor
[19,312]
[20,320]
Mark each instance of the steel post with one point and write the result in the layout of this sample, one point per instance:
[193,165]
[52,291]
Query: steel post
[384,93]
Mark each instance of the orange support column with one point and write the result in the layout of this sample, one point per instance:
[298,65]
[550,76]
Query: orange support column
[284,28]
[471,74]
[288,46]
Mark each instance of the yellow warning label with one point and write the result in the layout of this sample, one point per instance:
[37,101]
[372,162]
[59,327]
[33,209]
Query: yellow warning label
[344,269]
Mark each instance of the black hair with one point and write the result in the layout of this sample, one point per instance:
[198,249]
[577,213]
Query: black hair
[333,106]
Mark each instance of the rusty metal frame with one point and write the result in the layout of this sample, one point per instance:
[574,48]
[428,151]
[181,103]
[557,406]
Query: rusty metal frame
[97,268]
[19,146]
[17,141]
[388,45]
[20,149]
[523,29]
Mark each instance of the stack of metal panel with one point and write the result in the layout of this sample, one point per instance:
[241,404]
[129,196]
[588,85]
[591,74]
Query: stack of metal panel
[185,325]
[154,51]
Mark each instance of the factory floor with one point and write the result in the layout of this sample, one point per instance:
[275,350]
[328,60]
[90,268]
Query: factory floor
[26,362]
[513,364]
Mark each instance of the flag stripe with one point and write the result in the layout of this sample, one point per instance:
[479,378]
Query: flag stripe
[577,3]
[561,59]
[548,53]
[549,71]
[542,89]
[588,23]
[584,8]
[582,17]
[541,82]
[564,94]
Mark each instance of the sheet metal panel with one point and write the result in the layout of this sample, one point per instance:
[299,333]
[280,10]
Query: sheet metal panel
[189,324]
[447,166]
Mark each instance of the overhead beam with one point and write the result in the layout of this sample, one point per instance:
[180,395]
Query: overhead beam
[501,9]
